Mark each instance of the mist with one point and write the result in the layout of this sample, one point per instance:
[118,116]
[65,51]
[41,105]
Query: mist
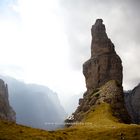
[35,105]
[122,24]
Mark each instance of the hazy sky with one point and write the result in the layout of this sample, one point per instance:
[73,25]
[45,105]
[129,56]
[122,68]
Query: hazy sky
[47,41]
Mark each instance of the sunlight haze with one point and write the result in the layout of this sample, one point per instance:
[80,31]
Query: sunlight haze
[46,42]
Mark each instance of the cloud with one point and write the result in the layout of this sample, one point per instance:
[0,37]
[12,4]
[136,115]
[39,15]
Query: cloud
[122,23]
[33,38]
[14,70]
[8,9]
[50,40]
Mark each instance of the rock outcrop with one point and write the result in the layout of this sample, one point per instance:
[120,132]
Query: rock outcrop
[6,111]
[111,93]
[132,102]
[104,64]
[103,75]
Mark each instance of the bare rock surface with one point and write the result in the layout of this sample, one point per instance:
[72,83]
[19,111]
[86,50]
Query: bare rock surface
[104,64]
[111,93]
[6,111]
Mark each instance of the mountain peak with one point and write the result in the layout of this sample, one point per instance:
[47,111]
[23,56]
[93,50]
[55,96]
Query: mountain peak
[98,30]
[104,64]
[103,76]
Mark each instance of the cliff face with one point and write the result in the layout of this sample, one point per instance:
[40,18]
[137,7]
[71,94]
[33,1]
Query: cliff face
[132,101]
[103,75]
[104,64]
[6,111]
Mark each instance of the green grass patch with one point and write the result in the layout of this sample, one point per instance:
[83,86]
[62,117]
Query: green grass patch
[98,124]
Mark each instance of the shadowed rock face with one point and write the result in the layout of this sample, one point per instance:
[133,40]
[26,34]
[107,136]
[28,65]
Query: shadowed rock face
[104,64]
[132,101]
[6,111]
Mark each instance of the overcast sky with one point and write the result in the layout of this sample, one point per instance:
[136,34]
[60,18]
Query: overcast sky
[47,41]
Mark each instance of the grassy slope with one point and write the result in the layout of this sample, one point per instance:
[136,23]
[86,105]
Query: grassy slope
[99,124]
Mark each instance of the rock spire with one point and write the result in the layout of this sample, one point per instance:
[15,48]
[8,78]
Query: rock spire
[103,75]
[104,64]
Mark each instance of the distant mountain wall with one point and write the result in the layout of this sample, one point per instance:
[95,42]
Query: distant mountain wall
[132,101]
[35,105]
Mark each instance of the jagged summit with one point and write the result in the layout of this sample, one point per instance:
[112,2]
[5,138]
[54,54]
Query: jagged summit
[100,44]
[98,30]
